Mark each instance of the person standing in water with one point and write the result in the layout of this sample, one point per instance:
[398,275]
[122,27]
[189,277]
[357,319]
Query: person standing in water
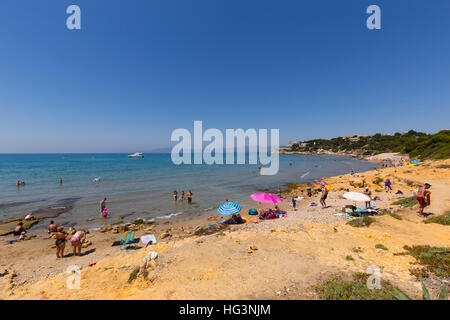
[189,196]
[175,195]
[102,205]
[324,196]
[60,180]
[182,195]
[423,196]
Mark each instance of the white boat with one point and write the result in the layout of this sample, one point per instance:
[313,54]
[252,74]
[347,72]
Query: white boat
[135,155]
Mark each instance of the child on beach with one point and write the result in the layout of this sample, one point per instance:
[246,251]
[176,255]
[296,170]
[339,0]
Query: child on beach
[294,202]
[182,195]
[175,195]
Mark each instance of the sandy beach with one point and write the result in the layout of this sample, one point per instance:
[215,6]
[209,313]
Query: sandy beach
[271,259]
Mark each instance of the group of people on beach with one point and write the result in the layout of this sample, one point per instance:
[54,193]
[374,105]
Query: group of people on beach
[181,198]
[61,235]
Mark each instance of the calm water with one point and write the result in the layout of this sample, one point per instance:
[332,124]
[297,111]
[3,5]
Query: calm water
[142,188]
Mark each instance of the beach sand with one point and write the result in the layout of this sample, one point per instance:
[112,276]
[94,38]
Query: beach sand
[204,260]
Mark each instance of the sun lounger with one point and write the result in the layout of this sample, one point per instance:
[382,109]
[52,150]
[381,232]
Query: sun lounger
[129,240]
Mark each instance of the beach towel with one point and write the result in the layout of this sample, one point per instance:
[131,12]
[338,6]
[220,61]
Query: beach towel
[148,239]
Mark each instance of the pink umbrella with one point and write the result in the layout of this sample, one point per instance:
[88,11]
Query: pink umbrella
[266,198]
[320,182]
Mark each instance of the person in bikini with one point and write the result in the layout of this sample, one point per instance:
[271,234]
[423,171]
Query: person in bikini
[423,196]
[189,196]
[324,196]
[60,242]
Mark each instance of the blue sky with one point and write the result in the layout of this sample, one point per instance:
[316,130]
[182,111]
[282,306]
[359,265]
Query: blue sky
[140,69]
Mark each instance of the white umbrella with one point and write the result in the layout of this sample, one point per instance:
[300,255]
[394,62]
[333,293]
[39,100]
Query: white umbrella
[356,196]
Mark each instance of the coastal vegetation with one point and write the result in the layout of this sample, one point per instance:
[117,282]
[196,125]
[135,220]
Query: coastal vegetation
[443,219]
[416,144]
[364,221]
[434,260]
[337,288]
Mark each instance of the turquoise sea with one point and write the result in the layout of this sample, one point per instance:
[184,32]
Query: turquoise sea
[142,188]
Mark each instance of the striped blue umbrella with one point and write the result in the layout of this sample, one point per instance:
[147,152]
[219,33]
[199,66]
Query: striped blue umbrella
[229,208]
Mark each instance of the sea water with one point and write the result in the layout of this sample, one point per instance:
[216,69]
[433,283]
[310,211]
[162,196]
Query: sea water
[143,187]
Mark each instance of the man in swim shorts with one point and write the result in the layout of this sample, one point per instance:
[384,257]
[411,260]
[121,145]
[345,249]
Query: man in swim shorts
[423,196]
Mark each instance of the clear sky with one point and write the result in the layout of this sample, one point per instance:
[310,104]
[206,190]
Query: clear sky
[139,69]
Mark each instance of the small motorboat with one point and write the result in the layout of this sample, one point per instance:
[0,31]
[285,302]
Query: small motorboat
[135,155]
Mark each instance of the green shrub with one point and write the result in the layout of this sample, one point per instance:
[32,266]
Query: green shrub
[350,258]
[434,259]
[377,180]
[442,219]
[356,289]
[361,222]
[380,246]
[406,202]
[133,274]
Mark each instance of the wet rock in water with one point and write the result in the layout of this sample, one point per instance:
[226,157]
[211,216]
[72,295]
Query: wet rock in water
[138,221]
[106,228]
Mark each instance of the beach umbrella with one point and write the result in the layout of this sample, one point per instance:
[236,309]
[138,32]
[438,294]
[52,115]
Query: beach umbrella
[229,208]
[320,182]
[415,162]
[356,196]
[266,198]
[388,159]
